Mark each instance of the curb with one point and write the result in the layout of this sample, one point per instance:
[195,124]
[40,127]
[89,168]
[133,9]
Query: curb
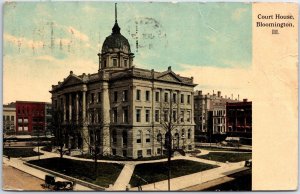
[84,183]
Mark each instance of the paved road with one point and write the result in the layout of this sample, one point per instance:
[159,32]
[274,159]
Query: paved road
[14,179]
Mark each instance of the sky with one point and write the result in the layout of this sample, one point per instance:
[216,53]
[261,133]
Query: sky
[44,41]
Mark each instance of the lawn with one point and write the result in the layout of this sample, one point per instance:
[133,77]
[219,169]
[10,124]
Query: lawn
[230,157]
[20,152]
[84,170]
[154,172]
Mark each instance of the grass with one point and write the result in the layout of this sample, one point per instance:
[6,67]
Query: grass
[230,157]
[119,158]
[20,152]
[223,149]
[154,172]
[84,170]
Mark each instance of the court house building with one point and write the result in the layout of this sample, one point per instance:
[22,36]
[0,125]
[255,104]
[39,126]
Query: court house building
[122,107]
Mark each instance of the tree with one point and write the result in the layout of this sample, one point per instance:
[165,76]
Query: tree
[169,121]
[59,131]
[93,140]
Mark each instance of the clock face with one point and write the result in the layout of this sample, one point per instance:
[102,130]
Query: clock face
[145,34]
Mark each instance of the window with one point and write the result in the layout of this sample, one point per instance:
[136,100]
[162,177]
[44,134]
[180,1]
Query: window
[182,98]
[147,95]
[138,115]
[124,136]
[20,128]
[114,151]
[92,98]
[190,147]
[156,115]
[158,151]
[125,95]
[189,99]
[148,137]
[115,115]
[182,116]
[99,117]
[124,153]
[159,137]
[174,98]
[125,63]
[115,96]
[105,63]
[125,115]
[114,137]
[139,137]
[157,96]
[92,117]
[7,118]
[140,153]
[183,133]
[166,115]
[148,152]
[147,116]
[25,128]
[99,97]
[188,116]
[115,62]
[3,118]
[25,120]
[166,97]
[138,94]
[174,115]
[189,134]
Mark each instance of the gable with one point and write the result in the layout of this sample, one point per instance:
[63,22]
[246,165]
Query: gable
[72,80]
[170,77]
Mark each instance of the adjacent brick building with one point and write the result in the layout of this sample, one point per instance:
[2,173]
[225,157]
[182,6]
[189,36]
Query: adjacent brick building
[9,119]
[30,118]
[239,119]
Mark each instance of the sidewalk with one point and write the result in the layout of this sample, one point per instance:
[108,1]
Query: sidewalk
[194,179]
[123,179]
[19,164]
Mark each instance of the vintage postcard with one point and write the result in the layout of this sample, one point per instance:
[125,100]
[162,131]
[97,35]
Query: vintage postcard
[137,96]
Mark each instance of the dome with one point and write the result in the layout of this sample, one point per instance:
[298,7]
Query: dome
[116,41]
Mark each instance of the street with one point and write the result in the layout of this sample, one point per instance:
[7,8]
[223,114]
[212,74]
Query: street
[14,179]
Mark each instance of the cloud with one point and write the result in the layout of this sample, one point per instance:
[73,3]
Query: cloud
[22,41]
[77,34]
[238,13]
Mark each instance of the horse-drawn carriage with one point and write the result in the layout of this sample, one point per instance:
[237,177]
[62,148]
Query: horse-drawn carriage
[51,184]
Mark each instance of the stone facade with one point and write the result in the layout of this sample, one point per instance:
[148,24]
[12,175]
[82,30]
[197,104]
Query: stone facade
[210,114]
[128,106]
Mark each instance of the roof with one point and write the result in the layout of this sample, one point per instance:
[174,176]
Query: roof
[131,73]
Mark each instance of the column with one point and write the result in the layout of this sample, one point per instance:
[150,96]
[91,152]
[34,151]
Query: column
[70,107]
[105,113]
[85,132]
[77,108]
[65,108]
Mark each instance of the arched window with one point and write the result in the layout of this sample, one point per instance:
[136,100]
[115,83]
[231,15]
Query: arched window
[189,134]
[124,136]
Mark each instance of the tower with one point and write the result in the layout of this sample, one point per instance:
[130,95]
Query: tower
[115,53]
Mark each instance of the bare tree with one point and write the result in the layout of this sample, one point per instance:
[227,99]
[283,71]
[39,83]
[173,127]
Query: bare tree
[93,140]
[60,132]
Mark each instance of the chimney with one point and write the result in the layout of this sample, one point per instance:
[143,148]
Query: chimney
[238,97]
[219,93]
[245,100]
